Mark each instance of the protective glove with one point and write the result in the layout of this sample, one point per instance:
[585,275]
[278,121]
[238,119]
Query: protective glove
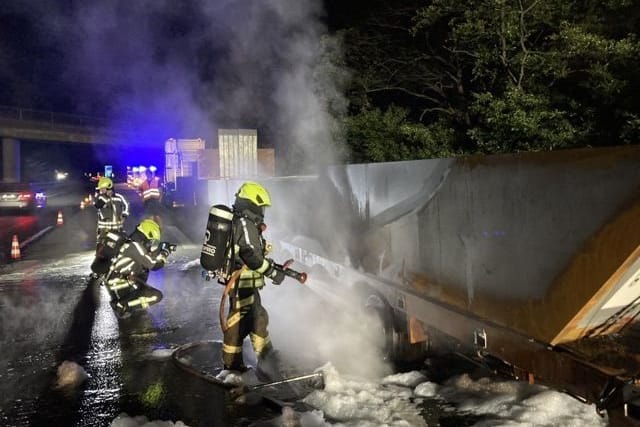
[268,247]
[275,275]
[160,260]
[171,247]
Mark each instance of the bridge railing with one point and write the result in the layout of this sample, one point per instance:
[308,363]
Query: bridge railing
[40,116]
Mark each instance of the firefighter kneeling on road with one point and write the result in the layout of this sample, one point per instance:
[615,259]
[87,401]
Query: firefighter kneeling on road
[129,271]
[246,315]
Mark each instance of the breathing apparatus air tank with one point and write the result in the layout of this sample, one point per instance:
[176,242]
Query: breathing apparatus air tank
[215,257]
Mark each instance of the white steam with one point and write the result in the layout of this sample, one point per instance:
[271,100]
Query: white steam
[310,331]
[165,69]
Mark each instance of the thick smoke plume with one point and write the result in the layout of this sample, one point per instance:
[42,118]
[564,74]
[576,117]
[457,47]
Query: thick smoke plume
[160,69]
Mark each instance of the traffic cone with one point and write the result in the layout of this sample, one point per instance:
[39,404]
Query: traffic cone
[60,221]
[15,247]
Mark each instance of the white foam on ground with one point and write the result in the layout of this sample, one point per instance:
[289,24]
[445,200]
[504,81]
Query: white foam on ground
[357,402]
[516,403]
[395,401]
[124,420]
[70,375]
[161,354]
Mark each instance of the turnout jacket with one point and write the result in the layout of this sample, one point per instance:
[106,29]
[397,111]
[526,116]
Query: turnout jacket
[150,189]
[249,250]
[112,210]
[134,259]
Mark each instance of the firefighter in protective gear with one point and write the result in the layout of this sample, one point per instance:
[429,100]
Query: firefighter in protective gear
[150,193]
[113,209]
[246,314]
[129,271]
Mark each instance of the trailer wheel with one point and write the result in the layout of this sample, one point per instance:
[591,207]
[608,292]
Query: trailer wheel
[381,326]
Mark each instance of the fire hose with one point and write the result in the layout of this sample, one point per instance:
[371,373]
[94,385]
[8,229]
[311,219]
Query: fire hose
[284,268]
[317,377]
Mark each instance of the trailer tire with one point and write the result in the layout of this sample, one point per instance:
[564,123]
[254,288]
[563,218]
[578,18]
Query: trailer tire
[382,320]
[394,340]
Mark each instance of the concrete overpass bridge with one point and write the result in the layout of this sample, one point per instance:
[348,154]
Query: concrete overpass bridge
[18,124]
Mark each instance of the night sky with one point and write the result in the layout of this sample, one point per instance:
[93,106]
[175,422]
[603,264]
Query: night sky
[171,69]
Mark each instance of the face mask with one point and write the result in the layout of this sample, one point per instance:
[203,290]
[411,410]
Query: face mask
[152,244]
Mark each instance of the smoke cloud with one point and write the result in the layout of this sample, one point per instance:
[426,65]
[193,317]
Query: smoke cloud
[310,327]
[165,69]
[161,69]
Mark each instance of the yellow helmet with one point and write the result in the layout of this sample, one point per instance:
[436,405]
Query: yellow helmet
[255,193]
[105,183]
[150,229]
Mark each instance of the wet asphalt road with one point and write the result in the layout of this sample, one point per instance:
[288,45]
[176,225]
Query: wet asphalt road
[62,197]
[49,315]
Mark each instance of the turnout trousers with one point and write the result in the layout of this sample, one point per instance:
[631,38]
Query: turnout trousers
[247,317]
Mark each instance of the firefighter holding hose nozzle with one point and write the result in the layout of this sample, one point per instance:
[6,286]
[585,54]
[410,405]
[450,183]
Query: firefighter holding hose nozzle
[126,280]
[246,257]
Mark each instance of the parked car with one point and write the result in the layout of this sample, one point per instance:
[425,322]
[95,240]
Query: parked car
[21,196]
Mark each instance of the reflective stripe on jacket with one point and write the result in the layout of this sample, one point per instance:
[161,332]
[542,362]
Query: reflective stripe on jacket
[112,211]
[135,259]
[249,251]
[150,189]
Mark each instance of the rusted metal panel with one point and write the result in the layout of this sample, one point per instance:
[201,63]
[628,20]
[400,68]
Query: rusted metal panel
[553,366]
[266,162]
[538,251]
[615,303]
[600,371]
[545,244]
[416,330]
[533,241]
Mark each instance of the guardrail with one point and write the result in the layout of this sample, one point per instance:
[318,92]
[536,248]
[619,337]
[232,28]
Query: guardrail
[52,118]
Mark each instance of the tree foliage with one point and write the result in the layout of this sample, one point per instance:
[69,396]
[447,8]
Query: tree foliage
[389,136]
[492,76]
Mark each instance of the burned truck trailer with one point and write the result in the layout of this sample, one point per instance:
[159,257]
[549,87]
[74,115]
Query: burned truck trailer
[528,262]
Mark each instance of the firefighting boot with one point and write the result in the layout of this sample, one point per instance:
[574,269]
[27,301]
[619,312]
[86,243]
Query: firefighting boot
[100,266]
[269,367]
[120,309]
[232,375]
[141,299]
